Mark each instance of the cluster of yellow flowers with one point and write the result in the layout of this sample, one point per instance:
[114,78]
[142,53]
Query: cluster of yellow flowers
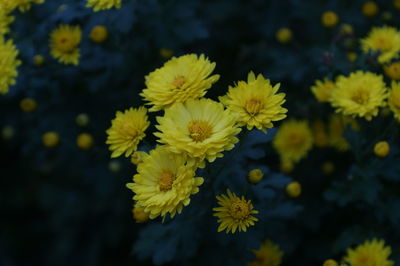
[192,131]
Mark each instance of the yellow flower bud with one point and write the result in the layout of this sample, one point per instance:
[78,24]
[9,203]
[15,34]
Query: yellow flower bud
[139,215]
[28,105]
[38,60]
[329,19]
[82,119]
[99,34]
[51,139]
[346,29]
[166,53]
[370,9]
[84,141]
[382,149]
[137,157]
[255,176]
[284,35]
[293,189]
[393,70]
[330,262]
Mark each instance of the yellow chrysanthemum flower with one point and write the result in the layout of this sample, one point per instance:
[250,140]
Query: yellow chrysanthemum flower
[139,215]
[330,262]
[322,89]
[394,99]
[137,157]
[384,39]
[360,94]
[393,70]
[382,149]
[64,42]
[269,254]
[181,78]
[337,125]
[22,5]
[370,9]
[256,103]
[284,35]
[293,140]
[163,183]
[5,21]
[201,129]
[235,213]
[8,64]
[370,253]
[320,134]
[99,34]
[255,176]
[329,19]
[98,5]
[126,131]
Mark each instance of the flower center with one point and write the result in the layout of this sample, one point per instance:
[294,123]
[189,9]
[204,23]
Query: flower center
[360,96]
[239,209]
[295,139]
[66,45]
[199,130]
[382,44]
[166,179]
[253,106]
[179,81]
[128,131]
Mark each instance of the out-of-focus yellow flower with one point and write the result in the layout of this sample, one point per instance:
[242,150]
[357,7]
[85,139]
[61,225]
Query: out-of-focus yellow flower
[64,44]
[82,119]
[164,183]
[38,60]
[385,40]
[126,131]
[382,149]
[337,125]
[99,34]
[394,99]
[392,70]
[370,9]
[255,102]
[84,141]
[234,213]
[352,56]
[330,262]
[322,89]
[255,176]
[396,4]
[284,35]
[8,64]
[286,166]
[166,53]
[180,79]
[320,134]
[293,189]
[346,29]
[293,140]
[28,105]
[371,252]
[328,167]
[360,94]
[269,254]
[201,129]
[137,157]
[5,21]
[329,19]
[51,139]
[7,132]
[98,5]
[22,5]
[139,215]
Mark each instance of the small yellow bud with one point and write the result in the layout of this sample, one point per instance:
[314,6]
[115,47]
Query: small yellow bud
[166,53]
[346,29]
[284,35]
[329,19]
[328,167]
[370,9]
[28,105]
[286,166]
[137,157]
[99,34]
[393,70]
[330,262]
[320,134]
[382,149]
[255,176]
[352,56]
[293,189]
[51,139]
[38,60]
[84,141]
[82,119]
[139,215]
[7,132]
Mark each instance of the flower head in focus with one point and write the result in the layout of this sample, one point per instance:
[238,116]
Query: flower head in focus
[370,253]
[98,5]
[268,254]
[64,42]
[8,64]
